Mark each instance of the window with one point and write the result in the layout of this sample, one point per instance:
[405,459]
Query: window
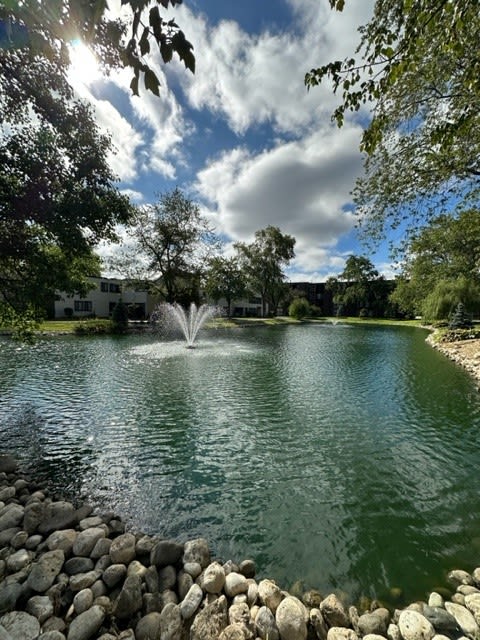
[104,286]
[114,288]
[83,305]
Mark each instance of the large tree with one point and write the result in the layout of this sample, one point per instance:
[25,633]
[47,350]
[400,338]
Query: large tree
[441,267]
[171,243]
[263,262]
[418,66]
[225,279]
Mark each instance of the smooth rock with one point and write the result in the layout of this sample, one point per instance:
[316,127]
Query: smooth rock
[247,568]
[20,625]
[197,551]
[269,594]
[435,600]
[317,621]
[86,625]
[414,626]
[213,578]
[122,549]
[184,582]
[86,541]
[41,607]
[235,583]
[129,600]
[12,516]
[442,621]
[114,574]
[44,572]
[464,618]
[393,632]
[333,611]
[166,552]
[9,594]
[265,624]
[290,618]
[63,540]
[52,635]
[167,578]
[191,602]
[234,632]
[83,600]
[372,623]
[83,580]
[19,560]
[458,577]
[78,564]
[148,627]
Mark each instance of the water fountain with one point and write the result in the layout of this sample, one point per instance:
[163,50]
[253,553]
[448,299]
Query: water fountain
[190,322]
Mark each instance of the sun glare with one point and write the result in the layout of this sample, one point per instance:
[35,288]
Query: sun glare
[83,64]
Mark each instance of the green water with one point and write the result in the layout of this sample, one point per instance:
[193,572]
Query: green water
[343,457]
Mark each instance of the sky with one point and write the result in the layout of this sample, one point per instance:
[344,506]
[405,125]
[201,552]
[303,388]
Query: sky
[243,137]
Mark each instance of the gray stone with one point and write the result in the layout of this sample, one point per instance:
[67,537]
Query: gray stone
[9,594]
[19,539]
[114,574]
[20,625]
[87,624]
[269,594]
[103,563]
[148,627]
[151,579]
[210,621]
[213,579]
[18,560]
[58,515]
[101,548]
[472,602]
[167,578]
[82,601]
[7,534]
[192,568]
[44,572]
[34,514]
[33,541]
[129,600]
[51,635]
[184,582]
[234,632]
[464,618]
[318,623]
[435,600]
[247,568]
[333,612]
[11,516]
[63,540]
[122,549]
[6,493]
[191,602]
[41,607]
[197,551]
[265,624]
[83,580]
[171,623]
[166,552]
[86,541]
[144,546]
[372,623]
[393,632]
[78,564]
[137,568]
[291,617]
[414,626]
[252,593]
[442,621]
[91,521]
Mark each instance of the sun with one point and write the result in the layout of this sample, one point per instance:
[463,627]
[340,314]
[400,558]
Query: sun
[84,67]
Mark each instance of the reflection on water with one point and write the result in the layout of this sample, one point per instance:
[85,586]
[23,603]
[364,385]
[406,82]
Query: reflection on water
[344,457]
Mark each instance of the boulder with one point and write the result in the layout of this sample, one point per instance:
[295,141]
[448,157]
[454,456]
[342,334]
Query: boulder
[291,617]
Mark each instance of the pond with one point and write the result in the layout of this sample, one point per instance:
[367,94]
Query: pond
[344,457]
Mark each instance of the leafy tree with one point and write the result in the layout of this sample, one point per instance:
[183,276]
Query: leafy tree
[262,262]
[171,243]
[419,69]
[359,288]
[460,319]
[120,317]
[299,308]
[445,297]
[43,30]
[446,251]
[225,279]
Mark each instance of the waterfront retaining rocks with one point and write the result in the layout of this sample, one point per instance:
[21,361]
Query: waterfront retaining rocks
[70,573]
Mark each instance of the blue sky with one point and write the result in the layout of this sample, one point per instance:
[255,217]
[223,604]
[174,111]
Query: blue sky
[243,137]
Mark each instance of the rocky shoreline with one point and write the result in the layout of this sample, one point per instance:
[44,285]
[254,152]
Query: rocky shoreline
[465,353]
[71,573]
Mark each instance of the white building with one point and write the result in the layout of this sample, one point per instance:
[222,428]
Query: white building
[100,301]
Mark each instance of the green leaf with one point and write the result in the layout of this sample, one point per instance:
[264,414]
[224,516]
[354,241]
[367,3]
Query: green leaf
[151,82]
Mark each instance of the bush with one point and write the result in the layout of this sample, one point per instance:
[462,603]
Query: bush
[363,313]
[120,317]
[460,319]
[93,327]
[299,308]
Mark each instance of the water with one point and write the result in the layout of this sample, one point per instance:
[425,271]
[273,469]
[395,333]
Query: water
[343,457]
